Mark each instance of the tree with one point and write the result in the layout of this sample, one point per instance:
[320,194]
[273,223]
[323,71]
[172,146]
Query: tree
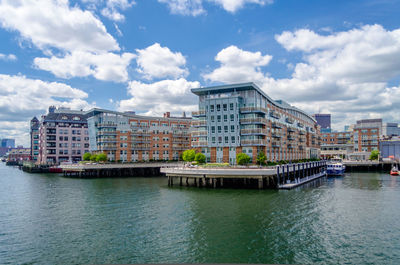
[374,155]
[261,158]
[86,156]
[189,155]
[101,157]
[93,157]
[242,159]
[200,158]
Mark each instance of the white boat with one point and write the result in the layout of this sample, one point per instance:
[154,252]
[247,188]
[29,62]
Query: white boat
[335,167]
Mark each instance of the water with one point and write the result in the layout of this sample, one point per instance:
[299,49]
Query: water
[49,219]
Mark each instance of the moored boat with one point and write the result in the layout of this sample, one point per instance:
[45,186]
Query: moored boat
[55,169]
[394,171]
[335,167]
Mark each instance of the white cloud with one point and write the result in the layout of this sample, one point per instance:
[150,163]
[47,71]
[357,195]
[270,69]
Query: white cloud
[102,66]
[49,24]
[195,7]
[345,73]
[8,57]
[160,62]
[159,97]
[22,98]
[111,10]
[239,66]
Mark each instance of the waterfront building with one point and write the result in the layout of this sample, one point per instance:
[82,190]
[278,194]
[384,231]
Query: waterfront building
[241,118]
[337,138]
[390,148]
[323,120]
[125,136]
[63,136]
[8,143]
[366,135]
[341,150]
[390,129]
[19,154]
[35,125]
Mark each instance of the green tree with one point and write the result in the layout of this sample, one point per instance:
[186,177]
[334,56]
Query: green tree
[86,156]
[374,155]
[93,157]
[261,158]
[242,159]
[101,157]
[189,155]
[200,158]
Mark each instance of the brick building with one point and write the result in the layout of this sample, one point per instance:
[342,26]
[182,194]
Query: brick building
[366,135]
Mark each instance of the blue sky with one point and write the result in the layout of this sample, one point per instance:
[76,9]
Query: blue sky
[340,57]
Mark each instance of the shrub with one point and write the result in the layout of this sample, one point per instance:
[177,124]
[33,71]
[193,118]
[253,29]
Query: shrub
[200,158]
[189,155]
[374,155]
[261,158]
[242,159]
[101,157]
[86,156]
[93,157]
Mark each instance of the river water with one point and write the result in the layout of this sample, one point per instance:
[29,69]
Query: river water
[49,219]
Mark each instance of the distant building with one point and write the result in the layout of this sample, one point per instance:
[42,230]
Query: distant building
[366,135]
[125,136]
[241,118]
[8,143]
[337,138]
[390,148]
[19,154]
[63,136]
[390,129]
[341,150]
[323,120]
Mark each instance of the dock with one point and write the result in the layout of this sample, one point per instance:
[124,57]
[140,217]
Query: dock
[278,177]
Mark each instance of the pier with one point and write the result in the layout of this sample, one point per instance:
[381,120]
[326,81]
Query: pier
[115,170]
[279,177]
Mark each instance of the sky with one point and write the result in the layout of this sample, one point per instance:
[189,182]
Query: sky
[338,57]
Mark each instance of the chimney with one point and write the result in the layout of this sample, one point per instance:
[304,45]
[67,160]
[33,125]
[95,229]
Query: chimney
[167,114]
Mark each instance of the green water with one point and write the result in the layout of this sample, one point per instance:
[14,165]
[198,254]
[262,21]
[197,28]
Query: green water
[49,219]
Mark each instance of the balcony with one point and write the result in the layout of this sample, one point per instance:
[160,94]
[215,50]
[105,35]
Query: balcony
[301,147]
[107,140]
[290,130]
[253,121]
[252,142]
[137,133]
[253,110]
[105,125]
[274,135]
[289,120]
[138,126]
[301,125]
[302,133]
[291,138]
[199,133]
[141,141]
[200,144]
[252,132]
[290,146]
[180,142]
[141,148]
[199,113]
[179,148]
[199,123]
[301,140]
[274,114]
[276,145]
[101,133]
[276,125]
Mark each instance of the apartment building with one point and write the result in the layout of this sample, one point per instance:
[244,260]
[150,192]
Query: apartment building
[63,136]
[241,118]
[19,154]
[125,136]
[337,138]
[366,135]
[35,126]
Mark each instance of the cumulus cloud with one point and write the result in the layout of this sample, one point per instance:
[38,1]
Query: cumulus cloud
[53,23]
[159,97]
[111,11]
[103,66]
[160,62]
[344,73]
[22,98]
[195,7]
[239,66]
[8,57]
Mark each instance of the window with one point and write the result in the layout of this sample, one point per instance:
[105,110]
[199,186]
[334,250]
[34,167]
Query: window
[219,129]
[225,129]
[232,128]
[225,118]
[226,139]
[218,107]
[212,108]
[233,139]
[220,139]
[219,118]
[213,140]
[232,117]
[212,129]
[225,107]
[212,118]
[231,106]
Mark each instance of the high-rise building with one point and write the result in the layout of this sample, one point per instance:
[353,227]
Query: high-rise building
[241,118]
[125,136]
[366,135]
[63,136]
[35,126]
[323,120]
[8,143]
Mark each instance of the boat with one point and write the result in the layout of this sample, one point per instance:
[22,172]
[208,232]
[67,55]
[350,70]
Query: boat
[55,169]
[394,171]
[335,167]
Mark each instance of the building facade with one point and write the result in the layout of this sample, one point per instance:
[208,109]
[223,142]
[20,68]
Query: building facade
[241,118]
[35,126]
[8,143]
[390,129]
[366,135]
[126,137]
[323,120]
[337,138]
[390,148]
[19,154]
[63,136]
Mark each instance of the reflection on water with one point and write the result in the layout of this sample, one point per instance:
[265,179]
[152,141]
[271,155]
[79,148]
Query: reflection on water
[51,219]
